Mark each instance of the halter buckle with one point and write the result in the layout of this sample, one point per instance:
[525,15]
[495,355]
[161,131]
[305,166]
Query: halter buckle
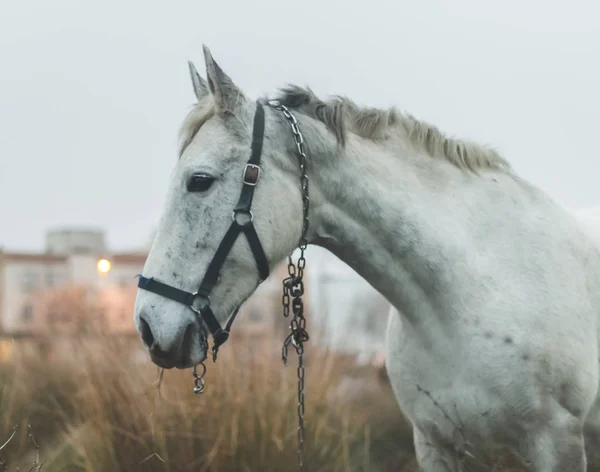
[251,174]
[220,337]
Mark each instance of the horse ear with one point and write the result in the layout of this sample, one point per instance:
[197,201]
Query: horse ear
[200,85]
[227,95]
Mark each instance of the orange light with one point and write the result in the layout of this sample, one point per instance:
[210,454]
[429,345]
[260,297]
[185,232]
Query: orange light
[103,266]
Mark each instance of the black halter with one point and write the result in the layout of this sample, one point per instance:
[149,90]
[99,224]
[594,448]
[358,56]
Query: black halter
[251,177]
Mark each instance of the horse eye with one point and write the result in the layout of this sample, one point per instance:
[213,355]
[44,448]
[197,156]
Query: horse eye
[199,183]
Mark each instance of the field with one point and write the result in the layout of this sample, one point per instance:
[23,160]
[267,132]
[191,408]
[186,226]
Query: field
[94,405]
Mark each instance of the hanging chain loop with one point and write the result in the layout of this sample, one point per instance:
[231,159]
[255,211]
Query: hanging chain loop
[293,285]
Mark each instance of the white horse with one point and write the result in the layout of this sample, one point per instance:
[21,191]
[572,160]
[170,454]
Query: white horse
[494,339]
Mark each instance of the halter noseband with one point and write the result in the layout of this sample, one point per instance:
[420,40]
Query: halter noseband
[251,177]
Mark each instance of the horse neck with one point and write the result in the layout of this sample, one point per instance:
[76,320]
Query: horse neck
[381,208]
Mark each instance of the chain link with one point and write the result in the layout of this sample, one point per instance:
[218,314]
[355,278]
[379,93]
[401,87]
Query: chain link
[199,379]
[293,286]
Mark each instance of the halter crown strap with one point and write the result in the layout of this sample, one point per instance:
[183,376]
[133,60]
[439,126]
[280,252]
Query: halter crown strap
[251,177]
[252,170]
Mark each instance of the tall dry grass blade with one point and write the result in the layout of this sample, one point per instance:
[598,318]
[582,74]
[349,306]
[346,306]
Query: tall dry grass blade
[15,429]
[152,456]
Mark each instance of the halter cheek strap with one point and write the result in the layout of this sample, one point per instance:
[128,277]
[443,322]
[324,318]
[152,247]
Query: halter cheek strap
[251,177]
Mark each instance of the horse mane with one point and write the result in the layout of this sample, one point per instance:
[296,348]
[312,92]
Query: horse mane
[341,116]
[200,113]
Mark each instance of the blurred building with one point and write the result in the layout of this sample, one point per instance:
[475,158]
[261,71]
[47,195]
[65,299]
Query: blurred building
[347,313]
[66,287]
[77,285]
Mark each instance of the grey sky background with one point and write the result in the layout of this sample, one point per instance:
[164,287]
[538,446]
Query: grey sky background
[92,93]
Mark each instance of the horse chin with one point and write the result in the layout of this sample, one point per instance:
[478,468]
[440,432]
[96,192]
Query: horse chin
[189,363]
[161,363]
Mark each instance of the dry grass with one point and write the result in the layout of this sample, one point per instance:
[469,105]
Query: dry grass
[97,409]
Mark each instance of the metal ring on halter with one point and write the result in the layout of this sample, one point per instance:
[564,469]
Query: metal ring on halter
[249,212]
[199,379]
[197,310]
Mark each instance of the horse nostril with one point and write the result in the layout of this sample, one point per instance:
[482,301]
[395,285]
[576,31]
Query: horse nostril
[146,332]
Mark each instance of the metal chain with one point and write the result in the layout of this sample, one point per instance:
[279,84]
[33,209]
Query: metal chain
[293,286]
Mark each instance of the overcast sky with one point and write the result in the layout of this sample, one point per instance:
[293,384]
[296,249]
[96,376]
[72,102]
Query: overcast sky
[92,93]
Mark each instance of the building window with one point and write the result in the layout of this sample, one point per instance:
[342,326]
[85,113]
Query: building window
[29,282]
[27,313]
